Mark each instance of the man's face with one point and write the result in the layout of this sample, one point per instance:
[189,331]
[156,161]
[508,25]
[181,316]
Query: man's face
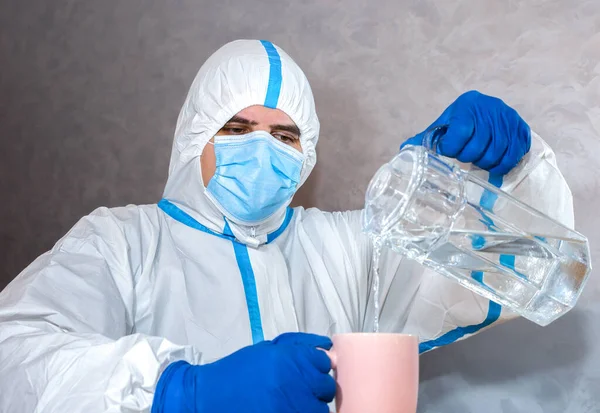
[251,119]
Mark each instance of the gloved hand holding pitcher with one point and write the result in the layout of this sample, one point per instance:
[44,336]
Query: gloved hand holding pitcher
[453,221]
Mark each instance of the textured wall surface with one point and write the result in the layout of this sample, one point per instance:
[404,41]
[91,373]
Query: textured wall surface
[90,92]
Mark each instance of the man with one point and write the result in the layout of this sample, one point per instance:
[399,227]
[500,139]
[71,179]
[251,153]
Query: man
[181,306]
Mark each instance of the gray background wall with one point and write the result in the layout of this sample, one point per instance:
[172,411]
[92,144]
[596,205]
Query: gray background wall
[90,92]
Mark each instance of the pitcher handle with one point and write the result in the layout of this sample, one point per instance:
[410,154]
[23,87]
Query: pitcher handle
[432,137]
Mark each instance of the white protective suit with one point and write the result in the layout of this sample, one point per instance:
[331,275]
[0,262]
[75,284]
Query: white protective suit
[90,325]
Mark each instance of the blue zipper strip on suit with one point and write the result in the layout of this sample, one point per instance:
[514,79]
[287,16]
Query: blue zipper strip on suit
[241,255]
[243,260]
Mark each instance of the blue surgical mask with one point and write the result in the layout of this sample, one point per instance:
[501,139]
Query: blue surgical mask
[256,176]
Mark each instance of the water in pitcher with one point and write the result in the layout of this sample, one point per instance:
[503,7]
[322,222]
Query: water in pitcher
[515,272]
[450,220]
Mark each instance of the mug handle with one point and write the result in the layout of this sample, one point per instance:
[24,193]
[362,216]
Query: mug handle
[332,356]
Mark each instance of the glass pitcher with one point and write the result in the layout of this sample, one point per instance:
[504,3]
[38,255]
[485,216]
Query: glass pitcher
[448,219]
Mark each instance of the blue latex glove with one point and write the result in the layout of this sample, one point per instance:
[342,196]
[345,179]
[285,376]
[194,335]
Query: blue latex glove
[288,374]
[482,130]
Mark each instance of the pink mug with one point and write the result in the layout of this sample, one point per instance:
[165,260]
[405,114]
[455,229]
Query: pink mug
[375,372]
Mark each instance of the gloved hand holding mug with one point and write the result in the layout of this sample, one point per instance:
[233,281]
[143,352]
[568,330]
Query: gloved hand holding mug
[482,130]
[286,375]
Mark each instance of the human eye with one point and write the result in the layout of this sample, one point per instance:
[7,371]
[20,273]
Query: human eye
[285,138]
[234,129]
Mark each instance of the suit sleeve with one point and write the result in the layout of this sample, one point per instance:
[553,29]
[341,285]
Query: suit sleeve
[67,342]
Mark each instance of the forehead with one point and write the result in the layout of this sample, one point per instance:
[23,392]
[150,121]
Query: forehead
[263,115]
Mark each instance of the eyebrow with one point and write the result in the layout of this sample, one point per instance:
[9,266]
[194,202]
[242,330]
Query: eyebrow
[239,119]
[286,128]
